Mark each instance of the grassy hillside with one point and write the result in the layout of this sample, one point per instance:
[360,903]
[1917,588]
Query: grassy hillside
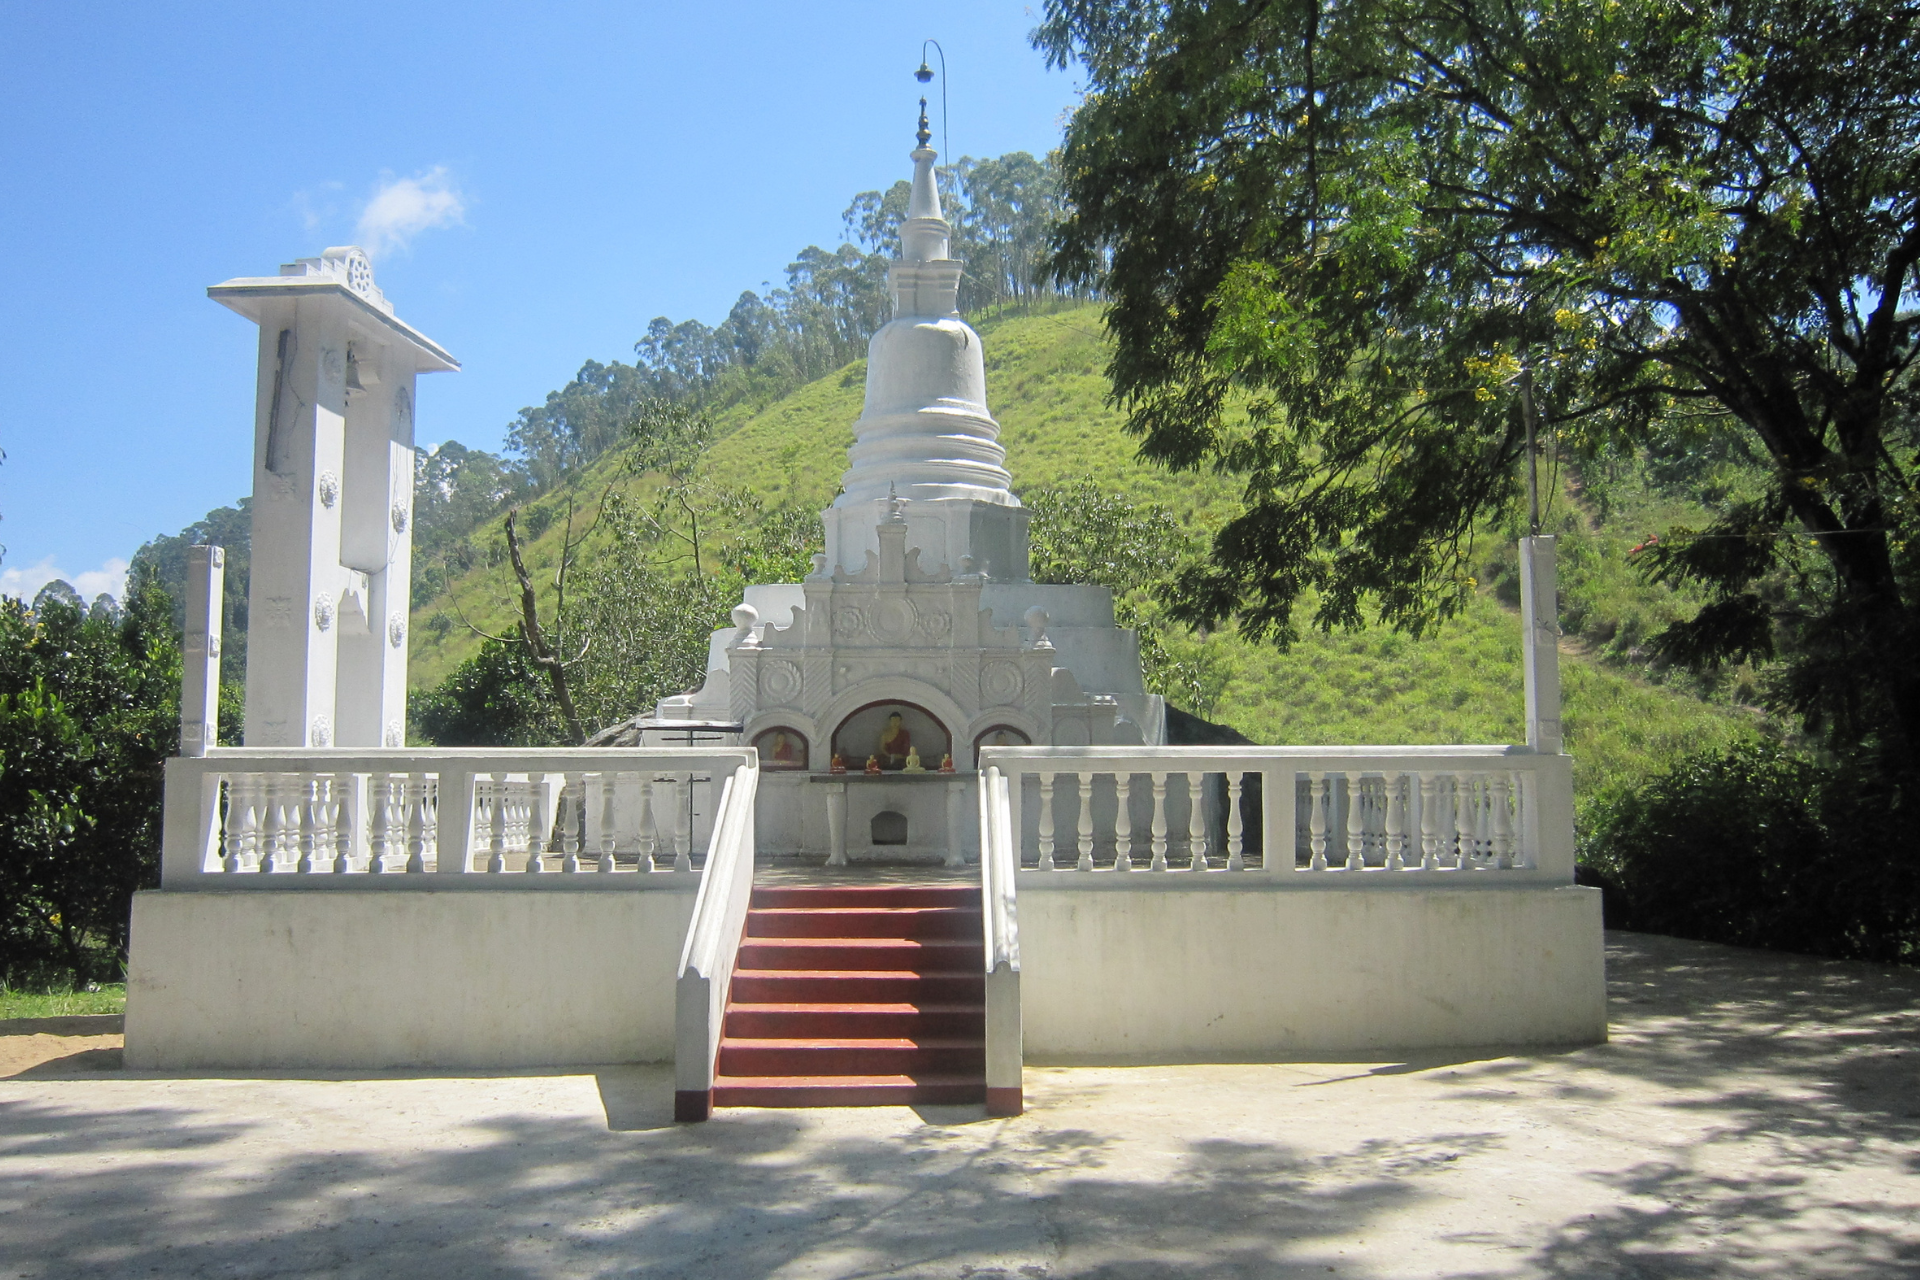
[1046,390]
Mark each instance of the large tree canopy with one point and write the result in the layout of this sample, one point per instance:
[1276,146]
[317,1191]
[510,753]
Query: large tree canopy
[1332,231]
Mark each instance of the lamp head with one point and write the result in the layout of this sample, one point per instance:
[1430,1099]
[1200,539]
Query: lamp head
[925,73]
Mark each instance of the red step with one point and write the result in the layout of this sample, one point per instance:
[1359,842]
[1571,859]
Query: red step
[923,923]
[861,895]
[909,954]
[848,1091]
[869,986]
[856,995]
[802,1021]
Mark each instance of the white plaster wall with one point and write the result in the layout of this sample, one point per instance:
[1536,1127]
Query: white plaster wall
[359,980]
[1165,976]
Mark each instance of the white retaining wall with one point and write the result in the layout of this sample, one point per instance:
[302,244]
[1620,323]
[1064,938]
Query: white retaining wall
[370,979]
[1158,975]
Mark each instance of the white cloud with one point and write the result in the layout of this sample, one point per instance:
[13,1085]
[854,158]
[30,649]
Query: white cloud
[402,208]
[110,577]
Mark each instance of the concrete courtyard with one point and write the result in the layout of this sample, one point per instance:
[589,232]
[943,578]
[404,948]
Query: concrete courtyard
[1754,1115]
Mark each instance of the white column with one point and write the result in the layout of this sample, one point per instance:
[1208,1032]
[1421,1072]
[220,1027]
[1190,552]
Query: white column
[1540,643]
[200,667]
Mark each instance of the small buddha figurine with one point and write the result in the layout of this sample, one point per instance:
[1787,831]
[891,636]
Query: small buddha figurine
[946,763]
[913,764]
[838,764]
[873,765]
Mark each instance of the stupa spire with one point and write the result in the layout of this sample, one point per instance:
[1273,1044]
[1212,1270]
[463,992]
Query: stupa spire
[925,235]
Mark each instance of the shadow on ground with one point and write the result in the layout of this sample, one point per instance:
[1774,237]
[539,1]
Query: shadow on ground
[1755,1115]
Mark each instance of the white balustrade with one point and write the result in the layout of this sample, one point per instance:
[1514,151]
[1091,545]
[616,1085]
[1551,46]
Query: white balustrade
[1381,815]
[245,817]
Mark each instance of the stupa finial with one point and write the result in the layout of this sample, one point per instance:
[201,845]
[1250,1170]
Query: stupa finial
[923,135]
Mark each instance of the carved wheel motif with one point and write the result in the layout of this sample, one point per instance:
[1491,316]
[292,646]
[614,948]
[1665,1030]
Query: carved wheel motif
[781,679]
[935,626]
[848,622]
[1000,683]
[893,620]
[328,486]
[359,274]
[323,611]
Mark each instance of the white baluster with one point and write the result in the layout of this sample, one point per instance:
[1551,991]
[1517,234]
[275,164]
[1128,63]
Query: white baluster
[1159,862]
[1429,824]
[490,791]
[273,829]
[1122,824]
[1236,824]
[1085,825]
[683,823]
[1319,805]
[340,812]
[606,822]
[649,841]
[1196,822]
[304,824]
[1523,850]
[1462,821]
[1501,821]
[414,799]
[241,828]
[1356,822]
[576,810]
[430,821]
[1046,822]
[1396,823]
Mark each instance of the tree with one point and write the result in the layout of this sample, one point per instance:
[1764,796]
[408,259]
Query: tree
[89,711]
[1332,236]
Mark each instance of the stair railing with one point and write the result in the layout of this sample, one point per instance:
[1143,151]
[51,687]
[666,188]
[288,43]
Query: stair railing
[713,944]
[999,860]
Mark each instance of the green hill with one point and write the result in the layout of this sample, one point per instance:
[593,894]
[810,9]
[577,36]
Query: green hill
[1048,393]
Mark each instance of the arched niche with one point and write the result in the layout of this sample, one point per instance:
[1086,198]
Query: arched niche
[860,734]
[1000,735]
[782,749]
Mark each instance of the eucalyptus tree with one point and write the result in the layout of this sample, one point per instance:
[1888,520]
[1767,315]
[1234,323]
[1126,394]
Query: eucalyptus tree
[1333,232]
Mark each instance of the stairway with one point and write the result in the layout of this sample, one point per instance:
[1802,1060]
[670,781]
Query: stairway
[856,996]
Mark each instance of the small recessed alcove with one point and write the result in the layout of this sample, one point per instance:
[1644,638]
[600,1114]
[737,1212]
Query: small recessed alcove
[889,827]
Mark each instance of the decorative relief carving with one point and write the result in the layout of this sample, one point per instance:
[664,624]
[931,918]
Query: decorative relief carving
[893,620]
[396,629]
[396,734]
[323,611]
[399,517]
[934,626]
[328,486]
[276,613]
[1000,684]
[321,734]
[848,622]
[359,274]
[780,680]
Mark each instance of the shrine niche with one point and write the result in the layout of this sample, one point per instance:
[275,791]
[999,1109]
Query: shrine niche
[1000,735]
[899,736]
[781,748]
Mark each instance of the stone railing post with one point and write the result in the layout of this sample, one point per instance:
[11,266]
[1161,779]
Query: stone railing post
[1540,643]
[200,663]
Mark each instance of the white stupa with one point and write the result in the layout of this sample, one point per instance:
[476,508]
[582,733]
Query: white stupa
[920,635]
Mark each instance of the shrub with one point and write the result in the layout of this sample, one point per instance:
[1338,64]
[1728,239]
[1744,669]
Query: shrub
[1761,846]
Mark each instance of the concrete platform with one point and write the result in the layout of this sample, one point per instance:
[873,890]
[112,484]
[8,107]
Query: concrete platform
[1753,1115]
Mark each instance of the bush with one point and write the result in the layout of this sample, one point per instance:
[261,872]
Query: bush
[1759,846]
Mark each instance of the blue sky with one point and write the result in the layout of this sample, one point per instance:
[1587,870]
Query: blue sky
[542,181]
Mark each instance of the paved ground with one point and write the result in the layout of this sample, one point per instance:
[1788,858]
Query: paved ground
[1755,1115]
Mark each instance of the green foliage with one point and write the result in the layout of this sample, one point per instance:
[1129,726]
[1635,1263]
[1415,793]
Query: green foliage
[89,710]
[493,699]
[1761,846]
[1331,236]
[62,1001]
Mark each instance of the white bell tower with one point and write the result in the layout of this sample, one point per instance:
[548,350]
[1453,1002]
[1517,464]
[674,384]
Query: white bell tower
[327,605]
